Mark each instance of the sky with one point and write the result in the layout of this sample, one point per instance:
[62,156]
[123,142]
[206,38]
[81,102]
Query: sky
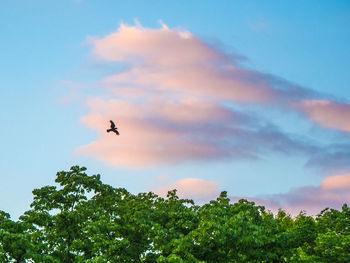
[248,97]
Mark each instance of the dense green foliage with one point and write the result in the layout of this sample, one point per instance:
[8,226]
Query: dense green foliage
[83,220]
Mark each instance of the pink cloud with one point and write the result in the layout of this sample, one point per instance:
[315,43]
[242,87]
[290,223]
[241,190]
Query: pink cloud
[157,132]
[154,132]
[328,114]
[176,61]
[170,102]
[338,182]
[333,192]
[162,46]
[194,80]
[192,188]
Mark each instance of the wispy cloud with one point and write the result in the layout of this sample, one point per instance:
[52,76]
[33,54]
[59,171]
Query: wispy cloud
[174,102]
[160,131]
[333,159]
[178,62]
[179,100]
[333,192]
[328,114]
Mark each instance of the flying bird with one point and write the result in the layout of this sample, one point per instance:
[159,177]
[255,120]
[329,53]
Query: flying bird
[113,128]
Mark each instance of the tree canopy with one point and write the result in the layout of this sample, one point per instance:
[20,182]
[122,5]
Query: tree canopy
[81,219]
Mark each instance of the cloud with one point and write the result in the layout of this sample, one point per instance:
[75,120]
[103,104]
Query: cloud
[333,192]
[175,102]
[332,159]
[338,182]
[154,132]
[192,188]
[159,132]
[327,113]
[176,61]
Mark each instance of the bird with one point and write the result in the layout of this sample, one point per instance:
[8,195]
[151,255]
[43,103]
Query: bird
[113,128]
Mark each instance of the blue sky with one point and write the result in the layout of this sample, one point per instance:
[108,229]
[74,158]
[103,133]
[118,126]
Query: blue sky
[46,57]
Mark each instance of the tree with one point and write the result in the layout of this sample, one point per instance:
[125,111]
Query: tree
[120,226]
[174,219]
[57,216]
[15,241]
[83,220]
[330,241]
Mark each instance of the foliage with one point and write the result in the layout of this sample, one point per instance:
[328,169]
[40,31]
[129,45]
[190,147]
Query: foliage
[83,220]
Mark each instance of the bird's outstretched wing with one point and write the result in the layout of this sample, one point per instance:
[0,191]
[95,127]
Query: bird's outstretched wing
[112,124]
[116,132]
